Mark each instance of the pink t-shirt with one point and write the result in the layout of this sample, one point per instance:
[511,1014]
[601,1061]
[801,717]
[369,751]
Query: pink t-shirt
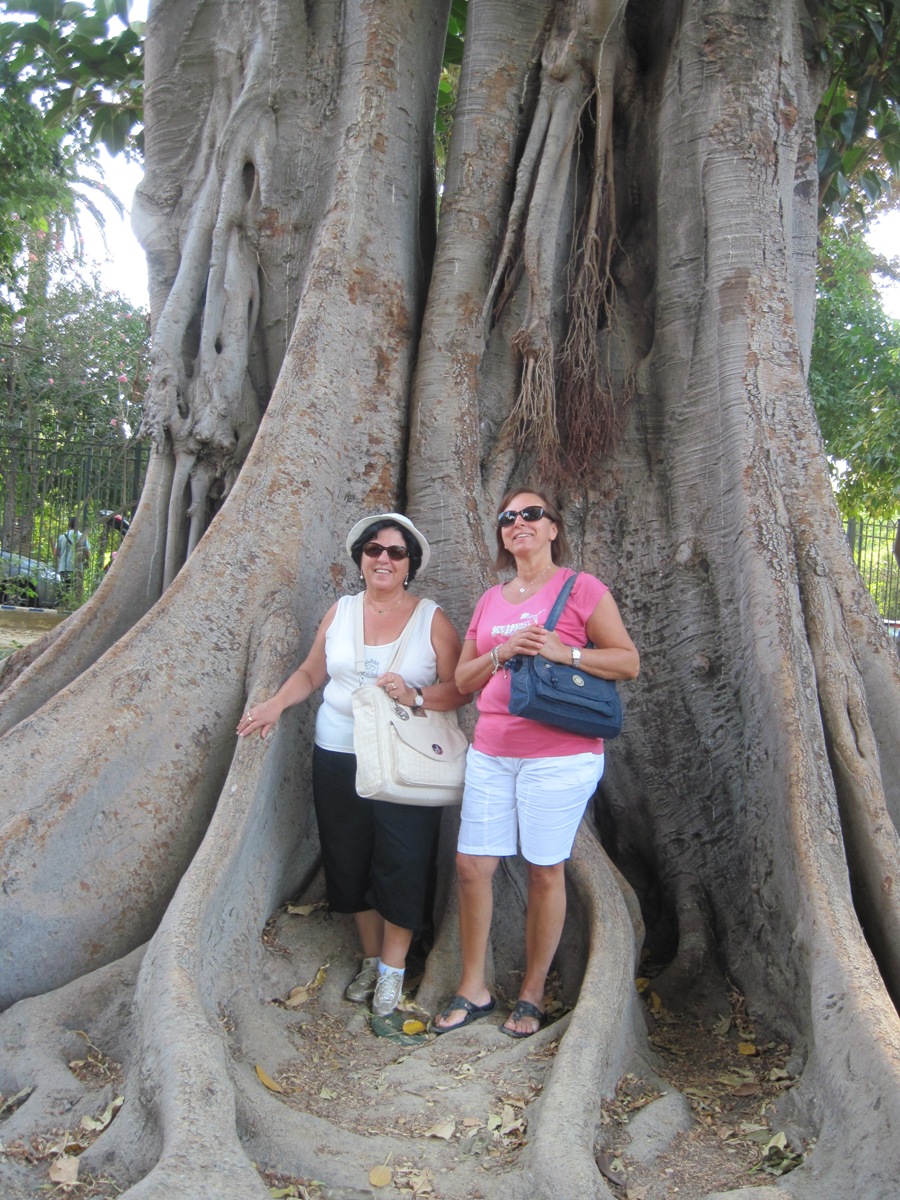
[497,731]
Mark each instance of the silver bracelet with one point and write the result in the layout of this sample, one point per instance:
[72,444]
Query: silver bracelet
[495,660]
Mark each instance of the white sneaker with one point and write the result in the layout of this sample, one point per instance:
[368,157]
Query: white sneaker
[363,986]
[387,995]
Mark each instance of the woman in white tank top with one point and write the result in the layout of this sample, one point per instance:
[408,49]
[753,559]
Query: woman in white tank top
[379,857]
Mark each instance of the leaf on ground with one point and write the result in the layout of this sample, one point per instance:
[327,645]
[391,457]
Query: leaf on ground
[746,1089]
[641,983]
[381,1176]
[471,1122]
[494,1121]
[411,1027]
[637,1193]
[281,1193]
[510,1120]
[303,910]
[443,1129]
[421,1182]
[747,1048]
[105,1117]
[611,1168]
[319,978]
[327,1094]
[13,1102]
[655,1003]
[64,1171]
[296,997]
[392,1027]
[722,1026]
[268,1081]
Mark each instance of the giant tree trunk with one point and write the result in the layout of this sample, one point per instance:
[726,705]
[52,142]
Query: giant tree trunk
[620,298]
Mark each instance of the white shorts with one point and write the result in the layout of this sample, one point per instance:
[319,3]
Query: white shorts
[538,801]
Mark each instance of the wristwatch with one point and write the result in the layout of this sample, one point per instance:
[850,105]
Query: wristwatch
[576,657]
[419,701]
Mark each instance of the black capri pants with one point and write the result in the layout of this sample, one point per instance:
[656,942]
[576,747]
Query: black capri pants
[375,854]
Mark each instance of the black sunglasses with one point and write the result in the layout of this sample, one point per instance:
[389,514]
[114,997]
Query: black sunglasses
[533,512]
[394,553]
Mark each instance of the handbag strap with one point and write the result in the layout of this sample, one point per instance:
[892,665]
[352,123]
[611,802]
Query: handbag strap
[360,639]
[556,610]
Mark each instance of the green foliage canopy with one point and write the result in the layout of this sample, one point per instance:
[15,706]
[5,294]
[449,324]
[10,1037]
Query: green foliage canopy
[75,362]
[857,122]
[854,375]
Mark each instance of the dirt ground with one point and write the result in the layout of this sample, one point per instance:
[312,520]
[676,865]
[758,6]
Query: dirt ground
[446,1118]
[22,626]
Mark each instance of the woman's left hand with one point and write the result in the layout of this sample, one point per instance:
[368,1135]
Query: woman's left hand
[555,650]
[397,688]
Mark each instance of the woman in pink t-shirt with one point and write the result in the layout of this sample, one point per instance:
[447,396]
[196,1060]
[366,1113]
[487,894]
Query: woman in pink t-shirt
[527,784]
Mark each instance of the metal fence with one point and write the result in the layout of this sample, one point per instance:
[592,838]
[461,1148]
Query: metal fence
[47,478]
[872,544]
[44,480]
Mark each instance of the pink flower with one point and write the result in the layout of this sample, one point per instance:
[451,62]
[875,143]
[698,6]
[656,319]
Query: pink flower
[123,379]
[49,381]
[113,421]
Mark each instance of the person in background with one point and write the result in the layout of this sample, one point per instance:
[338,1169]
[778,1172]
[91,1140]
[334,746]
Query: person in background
[527,784]
[71,554]
[379,857]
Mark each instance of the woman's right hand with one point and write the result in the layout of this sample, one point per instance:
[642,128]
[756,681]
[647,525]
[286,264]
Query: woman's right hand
[529,640]
[262,716]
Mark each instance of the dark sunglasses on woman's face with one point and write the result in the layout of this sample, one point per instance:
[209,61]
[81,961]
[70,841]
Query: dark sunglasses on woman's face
[394,553]
[533,512]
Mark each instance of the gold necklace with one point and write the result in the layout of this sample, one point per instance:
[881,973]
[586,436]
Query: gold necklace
[382,611]
[527,583]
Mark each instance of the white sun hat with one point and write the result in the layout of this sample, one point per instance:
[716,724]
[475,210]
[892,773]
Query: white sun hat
[398,519]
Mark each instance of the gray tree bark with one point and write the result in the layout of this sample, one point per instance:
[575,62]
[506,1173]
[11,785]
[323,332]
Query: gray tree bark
[628,222]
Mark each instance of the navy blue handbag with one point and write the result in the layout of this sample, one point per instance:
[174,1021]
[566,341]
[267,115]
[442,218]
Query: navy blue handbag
[562,695]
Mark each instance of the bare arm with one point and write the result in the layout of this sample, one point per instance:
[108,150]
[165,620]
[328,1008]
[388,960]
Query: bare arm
[308,677]
[474,669]
[444,695]
[613,656]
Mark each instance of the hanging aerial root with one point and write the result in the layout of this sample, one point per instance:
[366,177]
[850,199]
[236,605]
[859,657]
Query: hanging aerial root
[532,421]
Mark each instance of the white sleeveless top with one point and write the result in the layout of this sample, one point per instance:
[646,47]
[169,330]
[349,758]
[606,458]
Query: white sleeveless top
[417,665]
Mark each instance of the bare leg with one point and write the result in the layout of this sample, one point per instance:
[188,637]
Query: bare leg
[474,876]
[370,927]
[395,945]
[543,929]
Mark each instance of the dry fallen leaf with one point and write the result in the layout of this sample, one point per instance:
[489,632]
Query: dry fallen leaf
[64,1171]
[413,1027]
[268,1081]
[746,1089]
[747,1048]
[421,1181]
[380,1176]
[443,1129]
[319,979]
[611,1167]
[296,997]
[510,1120]
[302,910]
[106,1116]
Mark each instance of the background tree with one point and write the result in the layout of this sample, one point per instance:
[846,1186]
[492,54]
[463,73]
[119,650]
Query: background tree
[854,375]
[623,286]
